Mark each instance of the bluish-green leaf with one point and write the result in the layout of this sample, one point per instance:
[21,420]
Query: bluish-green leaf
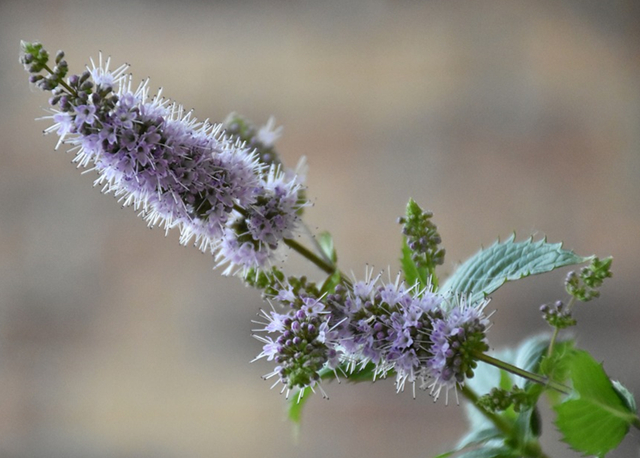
[492,267]
[597,420]
[480,436]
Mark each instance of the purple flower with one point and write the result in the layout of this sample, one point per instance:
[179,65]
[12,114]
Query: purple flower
[305,342]
[254,236]
[455,336]
[176,171]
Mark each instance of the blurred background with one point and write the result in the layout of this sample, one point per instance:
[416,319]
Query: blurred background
[499,116]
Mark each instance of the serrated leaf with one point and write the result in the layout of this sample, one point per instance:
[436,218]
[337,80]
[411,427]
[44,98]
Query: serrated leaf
[556,367]
[412,273]
[597,420]
[325,240]
[492,267]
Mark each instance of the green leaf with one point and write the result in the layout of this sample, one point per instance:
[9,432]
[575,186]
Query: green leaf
[556,365]
[329,285]
[325,240]
[296,403]
[625,395]
[490,268]
[412,273]
[597,420]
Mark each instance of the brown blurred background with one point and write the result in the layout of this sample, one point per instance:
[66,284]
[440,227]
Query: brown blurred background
[499,116]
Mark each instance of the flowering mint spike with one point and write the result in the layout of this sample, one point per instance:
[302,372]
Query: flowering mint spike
[499,400]
[557,315]
[304,345]
[456,338]
[424,338]
[177,171]
[584,285]
[262,139]
[422,240]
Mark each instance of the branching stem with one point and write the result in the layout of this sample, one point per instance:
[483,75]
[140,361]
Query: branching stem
[536,378]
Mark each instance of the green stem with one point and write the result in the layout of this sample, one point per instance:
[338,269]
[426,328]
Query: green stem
[556,330]
[327,267]
[528,449]
[311,256]
[324,265]
[552,342]
[540,379]
[62,83]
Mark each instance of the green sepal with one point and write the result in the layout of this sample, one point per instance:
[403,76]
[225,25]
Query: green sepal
[329,285]
[492,267]
[422,241]
[325,241]
[413,274]
[595,419]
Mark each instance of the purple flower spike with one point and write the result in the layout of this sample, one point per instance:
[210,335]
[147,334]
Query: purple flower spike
[176,171]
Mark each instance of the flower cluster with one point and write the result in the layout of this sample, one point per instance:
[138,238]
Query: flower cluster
[426,339]
[557,315]
[177,171]
[225,188]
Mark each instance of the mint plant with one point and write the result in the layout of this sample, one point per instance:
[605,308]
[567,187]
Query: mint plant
[224,187]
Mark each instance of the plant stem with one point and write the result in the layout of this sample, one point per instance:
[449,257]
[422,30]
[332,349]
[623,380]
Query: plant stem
[528,449]
[499,422]
[522,373]
[311,256]
[553,340]
[62,83]
[556,330]
[326,266]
